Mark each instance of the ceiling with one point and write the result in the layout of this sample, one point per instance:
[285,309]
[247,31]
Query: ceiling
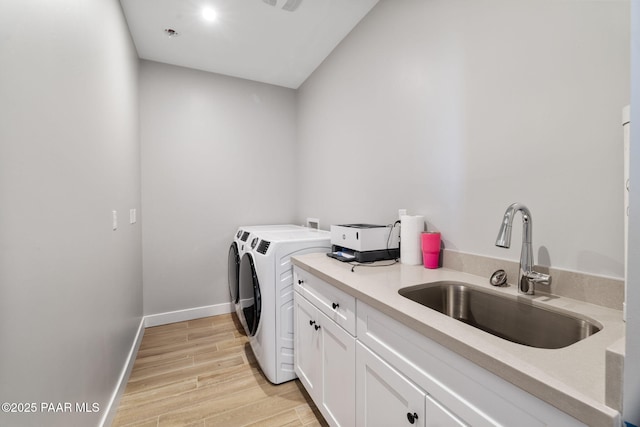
[252,39]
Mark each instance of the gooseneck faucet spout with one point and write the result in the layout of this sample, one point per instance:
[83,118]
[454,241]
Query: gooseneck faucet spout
[527,278]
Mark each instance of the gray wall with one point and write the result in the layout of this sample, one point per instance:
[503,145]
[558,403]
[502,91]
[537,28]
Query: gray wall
[217,152]
[70,287]
[454,109]
[450,109]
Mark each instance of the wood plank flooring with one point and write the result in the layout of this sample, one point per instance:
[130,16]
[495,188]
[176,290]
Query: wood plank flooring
[202,373]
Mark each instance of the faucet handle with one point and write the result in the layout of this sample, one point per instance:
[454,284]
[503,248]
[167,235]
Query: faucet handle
[529,279]
[536,277]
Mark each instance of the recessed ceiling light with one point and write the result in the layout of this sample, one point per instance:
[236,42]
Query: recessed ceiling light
[209,14]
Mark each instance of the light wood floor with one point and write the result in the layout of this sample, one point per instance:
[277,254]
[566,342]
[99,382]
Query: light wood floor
[203,373]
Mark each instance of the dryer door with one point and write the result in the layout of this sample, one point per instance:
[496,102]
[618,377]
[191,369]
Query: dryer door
[249,295]
[233,272]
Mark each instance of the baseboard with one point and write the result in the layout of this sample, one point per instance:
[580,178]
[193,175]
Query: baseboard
[187,314]
[145,322]
[112,406]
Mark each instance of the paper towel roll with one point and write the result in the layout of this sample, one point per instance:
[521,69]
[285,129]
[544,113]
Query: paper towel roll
[410,245]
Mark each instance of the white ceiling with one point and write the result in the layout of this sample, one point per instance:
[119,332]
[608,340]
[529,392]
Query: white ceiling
[249,39]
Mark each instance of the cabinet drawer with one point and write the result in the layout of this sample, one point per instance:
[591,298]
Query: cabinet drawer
[334,303]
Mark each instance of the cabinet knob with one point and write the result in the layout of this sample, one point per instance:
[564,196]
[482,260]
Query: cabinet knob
[300,281]
[412,417]
[312,322]
[316,326]
[335,305]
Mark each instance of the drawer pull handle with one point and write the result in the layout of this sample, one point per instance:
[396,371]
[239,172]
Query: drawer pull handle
[316,326]
[335,305]
[412,417]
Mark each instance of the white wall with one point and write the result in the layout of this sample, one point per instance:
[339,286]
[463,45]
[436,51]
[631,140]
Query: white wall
[70,287]
[631,408]
[217,152]
[455,109]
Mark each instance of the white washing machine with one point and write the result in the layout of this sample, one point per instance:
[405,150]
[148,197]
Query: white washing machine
[240,245]
[266,295]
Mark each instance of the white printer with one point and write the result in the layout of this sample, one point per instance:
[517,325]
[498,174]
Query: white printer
[365,242]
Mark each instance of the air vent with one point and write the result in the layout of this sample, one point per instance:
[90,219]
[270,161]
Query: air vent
[288,5]
[172,33]
[245,236]
[291,5]
[263,247]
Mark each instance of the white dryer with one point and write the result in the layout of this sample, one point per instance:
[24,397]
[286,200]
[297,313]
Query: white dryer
[240,245]
[266,295]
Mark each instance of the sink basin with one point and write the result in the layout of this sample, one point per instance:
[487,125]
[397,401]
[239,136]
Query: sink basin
[508,318]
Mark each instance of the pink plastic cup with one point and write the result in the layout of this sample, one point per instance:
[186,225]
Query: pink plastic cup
[430,249]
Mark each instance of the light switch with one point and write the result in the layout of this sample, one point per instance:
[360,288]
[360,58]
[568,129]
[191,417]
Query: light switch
[114,220]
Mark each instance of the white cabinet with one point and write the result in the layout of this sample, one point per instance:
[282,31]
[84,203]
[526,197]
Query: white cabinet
[306,346]
[438,416]
[469,393]
[338,373]
[339,306]
[363,368]
[324,355]
[384,397]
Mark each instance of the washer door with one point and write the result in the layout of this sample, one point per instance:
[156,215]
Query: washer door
[233,272]
[249,295]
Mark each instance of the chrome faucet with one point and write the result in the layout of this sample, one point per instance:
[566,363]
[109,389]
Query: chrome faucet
[527,278]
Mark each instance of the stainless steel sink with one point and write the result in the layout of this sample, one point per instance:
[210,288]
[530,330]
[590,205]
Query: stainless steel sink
[508,318]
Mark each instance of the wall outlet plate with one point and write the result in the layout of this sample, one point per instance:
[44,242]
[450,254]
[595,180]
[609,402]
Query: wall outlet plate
[313,223]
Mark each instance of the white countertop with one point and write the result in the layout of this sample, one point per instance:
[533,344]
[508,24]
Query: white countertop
[571,378]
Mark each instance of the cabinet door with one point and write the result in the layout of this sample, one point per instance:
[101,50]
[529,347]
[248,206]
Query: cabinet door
[307,348]
[383,396]
[439,416]
[338,374]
